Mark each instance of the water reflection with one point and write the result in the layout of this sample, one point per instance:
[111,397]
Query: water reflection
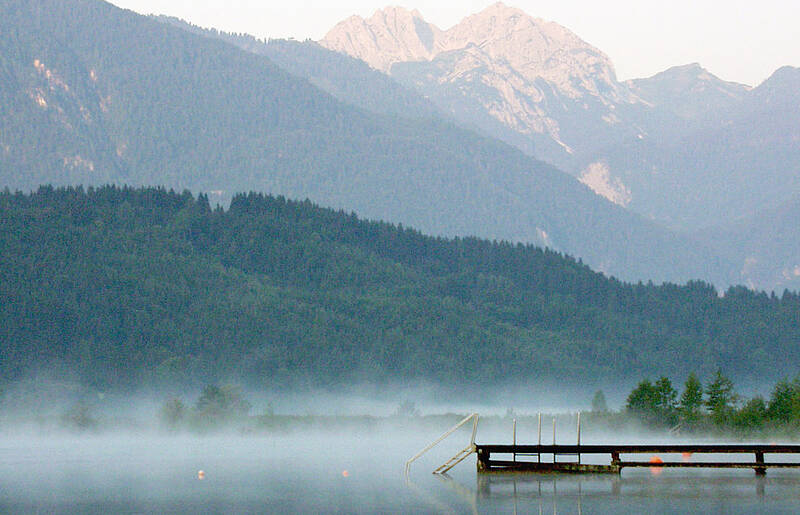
[632,493]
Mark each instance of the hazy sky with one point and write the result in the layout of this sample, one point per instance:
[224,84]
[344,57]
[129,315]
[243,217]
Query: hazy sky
[738,40]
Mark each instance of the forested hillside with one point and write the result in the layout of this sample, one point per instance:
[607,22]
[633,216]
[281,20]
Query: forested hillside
[124,286]
[92,95]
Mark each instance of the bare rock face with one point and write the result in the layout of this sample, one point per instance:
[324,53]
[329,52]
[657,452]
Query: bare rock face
[530,82]
[391,35]
[537,49]
[532,47]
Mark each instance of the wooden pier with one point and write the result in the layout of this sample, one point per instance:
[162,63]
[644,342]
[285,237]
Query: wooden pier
[532,457]
[528,457]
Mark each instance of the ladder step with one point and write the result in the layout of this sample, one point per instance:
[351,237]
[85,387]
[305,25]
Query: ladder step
[455,460]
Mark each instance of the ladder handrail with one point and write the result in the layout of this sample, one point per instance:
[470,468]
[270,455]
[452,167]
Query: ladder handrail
[445,435]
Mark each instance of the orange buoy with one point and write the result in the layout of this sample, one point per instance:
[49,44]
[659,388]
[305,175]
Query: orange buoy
[201,475]
[656,470]
[686,456]
[345,473]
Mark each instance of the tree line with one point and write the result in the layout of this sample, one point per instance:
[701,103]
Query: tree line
[715,405]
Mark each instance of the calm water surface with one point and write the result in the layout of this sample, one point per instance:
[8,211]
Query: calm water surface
[324,472]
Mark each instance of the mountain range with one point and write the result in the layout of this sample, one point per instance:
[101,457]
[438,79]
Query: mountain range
[93,94]
[683,148]
[432,255]
[540,87]
[677,147]
[498,69]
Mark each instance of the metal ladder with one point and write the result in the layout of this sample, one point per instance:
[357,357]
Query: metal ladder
[458,458]
[455,460]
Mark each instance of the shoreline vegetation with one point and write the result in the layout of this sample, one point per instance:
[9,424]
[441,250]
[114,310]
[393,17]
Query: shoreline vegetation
[653,410]
[716,408]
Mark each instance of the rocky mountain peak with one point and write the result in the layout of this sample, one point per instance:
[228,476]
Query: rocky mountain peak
[531,47]
[390,35]
[687,74]
[498,68]
[538,49]
[500,24]
[785,78]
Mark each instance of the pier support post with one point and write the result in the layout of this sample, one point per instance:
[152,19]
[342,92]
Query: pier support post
[483,460]
[615,462]
[579,438]
[762,470]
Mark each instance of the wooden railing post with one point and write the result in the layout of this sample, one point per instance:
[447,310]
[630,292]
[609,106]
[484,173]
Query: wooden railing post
[514,439]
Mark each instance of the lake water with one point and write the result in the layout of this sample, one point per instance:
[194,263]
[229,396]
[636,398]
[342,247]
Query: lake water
[341,472]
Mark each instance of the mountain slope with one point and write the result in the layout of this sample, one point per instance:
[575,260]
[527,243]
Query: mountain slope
[735,164]
[146,103]
[348,79]
[766,246]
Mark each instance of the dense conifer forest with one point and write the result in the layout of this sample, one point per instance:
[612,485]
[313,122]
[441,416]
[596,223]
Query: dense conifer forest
[127,286]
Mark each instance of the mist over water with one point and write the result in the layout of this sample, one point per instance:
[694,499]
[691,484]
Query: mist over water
[347,467]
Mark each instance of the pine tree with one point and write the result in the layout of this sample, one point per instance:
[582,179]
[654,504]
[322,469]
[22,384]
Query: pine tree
[692,399]
[666,399]
[643,400]
[721,398]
